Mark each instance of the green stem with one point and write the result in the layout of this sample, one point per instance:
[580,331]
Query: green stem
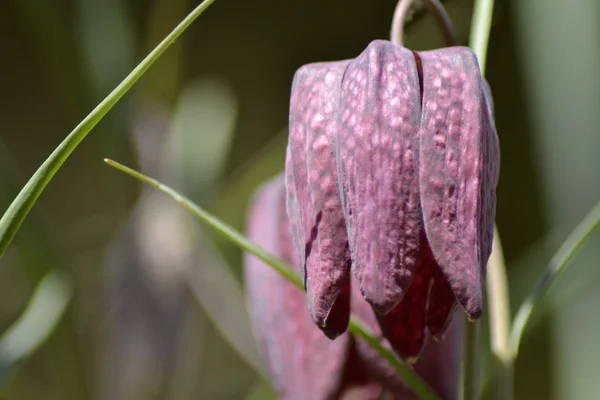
[412,380]
[19,208]
[499,314]
[481,23]
[557,266]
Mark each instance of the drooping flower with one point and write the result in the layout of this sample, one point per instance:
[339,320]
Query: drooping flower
[391,171]
[302,362]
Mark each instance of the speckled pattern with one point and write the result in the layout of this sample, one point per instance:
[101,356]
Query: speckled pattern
[377,160]
[409,137]
[313,200]
[457,172]
[302,362]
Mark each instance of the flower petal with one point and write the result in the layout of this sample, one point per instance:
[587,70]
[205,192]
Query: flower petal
[377,160]
[458,170]
[302,362]
[441,306]
[313,203]
[404,326]
[442,303]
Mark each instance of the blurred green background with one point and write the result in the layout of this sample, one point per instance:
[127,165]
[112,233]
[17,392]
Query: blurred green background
[153,303]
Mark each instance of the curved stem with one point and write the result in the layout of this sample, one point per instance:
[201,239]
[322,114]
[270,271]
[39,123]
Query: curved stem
[357,328]
[19,208]
[558,265]
[435,8]
[499,311]
[397,34]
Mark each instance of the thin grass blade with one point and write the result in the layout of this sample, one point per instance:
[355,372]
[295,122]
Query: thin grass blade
[19,208]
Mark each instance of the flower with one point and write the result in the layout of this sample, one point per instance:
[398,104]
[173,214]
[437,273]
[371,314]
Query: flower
[302,362]
[391,171]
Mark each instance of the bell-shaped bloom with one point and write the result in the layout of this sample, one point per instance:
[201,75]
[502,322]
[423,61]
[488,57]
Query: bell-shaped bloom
[391,172]
[302,362]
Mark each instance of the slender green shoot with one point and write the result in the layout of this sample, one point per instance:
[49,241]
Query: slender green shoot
[230,233]
[557,266]
[500,320]
[499,317]
[19,208]
[412,380]
[481,24]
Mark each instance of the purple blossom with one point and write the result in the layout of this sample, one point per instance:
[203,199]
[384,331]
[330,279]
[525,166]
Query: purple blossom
[391,171]
[302,362]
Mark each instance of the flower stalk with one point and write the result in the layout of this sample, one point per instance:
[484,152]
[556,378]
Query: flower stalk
[499,312]
[557,266]
[497,282]
[435,8]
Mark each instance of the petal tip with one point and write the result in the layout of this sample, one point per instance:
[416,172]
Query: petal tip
[472,306]
[411,360]
[474,317]
[380,306]
[438,337]
[333,321]
[330,333]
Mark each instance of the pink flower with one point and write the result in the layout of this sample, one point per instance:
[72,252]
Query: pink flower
[391,172]
[302,362]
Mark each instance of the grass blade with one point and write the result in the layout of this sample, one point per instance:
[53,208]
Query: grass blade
[558,265]
[226,230]
[19,208]
[357,328]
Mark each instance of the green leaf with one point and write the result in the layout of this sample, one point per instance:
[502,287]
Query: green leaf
[356,327]
[557,266]
[225,230]
[18,210]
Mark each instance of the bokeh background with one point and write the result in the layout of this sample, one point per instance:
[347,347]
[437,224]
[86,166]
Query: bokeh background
[148,302]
